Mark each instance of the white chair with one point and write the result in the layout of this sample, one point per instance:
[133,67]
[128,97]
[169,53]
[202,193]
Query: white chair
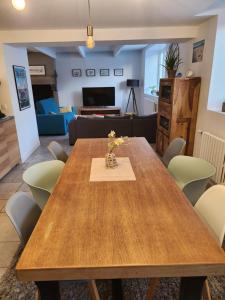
[176,147]
[23,213]
[211,209]
[57,151]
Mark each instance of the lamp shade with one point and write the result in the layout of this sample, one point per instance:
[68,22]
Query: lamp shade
[133,82]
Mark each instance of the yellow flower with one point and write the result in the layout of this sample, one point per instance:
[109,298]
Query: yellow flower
[112,134]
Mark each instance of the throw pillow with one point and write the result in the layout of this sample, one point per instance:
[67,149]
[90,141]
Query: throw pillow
[66,109]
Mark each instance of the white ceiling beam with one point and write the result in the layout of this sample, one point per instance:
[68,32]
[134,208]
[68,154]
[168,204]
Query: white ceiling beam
[46,38]
[81,51]
[117,50]
[46,51]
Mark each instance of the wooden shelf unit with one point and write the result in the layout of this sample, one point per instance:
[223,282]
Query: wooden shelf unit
[106,110]
[9,149]
[177,112]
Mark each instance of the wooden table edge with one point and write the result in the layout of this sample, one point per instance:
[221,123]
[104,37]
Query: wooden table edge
[120,272]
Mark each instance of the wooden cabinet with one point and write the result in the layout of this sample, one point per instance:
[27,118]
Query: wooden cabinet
[9,149]
[177,112]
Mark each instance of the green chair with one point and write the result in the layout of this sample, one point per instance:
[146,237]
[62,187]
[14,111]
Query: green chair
[191,174]
[41,178]
[57,151]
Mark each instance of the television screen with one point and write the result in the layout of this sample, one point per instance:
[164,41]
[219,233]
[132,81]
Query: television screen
[99,96]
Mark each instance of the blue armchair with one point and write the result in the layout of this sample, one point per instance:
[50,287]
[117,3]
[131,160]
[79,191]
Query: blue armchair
[49,119]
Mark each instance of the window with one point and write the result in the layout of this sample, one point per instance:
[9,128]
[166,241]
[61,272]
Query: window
[154,70]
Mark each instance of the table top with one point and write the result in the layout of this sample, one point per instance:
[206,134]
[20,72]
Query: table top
[97,230]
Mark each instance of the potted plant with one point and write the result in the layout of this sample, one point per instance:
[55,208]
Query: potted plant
[172,60]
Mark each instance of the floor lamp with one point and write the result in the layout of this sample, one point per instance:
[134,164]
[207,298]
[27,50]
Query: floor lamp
[132,83]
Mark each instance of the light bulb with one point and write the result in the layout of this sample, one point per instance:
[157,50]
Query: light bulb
[90,43]
[19,4]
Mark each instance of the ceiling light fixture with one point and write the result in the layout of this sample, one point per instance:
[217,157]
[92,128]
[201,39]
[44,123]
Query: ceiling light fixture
[19,4]
[90,43]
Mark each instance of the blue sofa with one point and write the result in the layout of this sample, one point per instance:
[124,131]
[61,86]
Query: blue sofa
[49,119]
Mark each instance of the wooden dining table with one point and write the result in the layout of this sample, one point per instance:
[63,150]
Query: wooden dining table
[144,228]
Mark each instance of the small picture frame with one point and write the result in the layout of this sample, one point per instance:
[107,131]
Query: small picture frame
[21,87]
[90,72]
[104,72]
[76,72]
[118,72]
[37,70]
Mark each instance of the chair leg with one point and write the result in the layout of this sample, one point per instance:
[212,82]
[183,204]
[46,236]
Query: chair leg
[151,289]
[93,290]
[206,291]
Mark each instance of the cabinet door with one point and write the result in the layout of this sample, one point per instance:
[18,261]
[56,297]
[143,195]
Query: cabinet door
[12,142]
[162,142]
[4,157]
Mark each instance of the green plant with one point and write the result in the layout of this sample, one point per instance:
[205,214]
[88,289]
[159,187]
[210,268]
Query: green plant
[172,59]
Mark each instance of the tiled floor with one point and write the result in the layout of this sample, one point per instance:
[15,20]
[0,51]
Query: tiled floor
[10,184]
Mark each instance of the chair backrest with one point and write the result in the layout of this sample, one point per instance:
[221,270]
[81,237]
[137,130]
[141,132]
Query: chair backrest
[191,174]
[46,106]
[211,208]
[42,178]
[57,151]
[176,147]
[23,213]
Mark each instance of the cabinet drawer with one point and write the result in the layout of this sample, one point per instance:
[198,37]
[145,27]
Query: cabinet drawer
[165,109]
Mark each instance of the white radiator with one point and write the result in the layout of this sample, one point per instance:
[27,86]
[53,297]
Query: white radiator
[212,149]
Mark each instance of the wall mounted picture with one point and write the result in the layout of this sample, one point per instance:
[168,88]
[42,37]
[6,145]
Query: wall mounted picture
[104,72]
[37,70]
[76,72]
[90,72]
[198,49]
[118,72]
[21,87]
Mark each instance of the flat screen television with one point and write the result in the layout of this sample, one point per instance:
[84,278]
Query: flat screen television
[99,96]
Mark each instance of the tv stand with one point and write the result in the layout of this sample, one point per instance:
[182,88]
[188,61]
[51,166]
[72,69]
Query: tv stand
[101,110]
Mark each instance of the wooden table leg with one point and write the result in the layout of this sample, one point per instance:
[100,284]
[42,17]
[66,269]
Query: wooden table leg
[191,288]
[117,291]
[48,290]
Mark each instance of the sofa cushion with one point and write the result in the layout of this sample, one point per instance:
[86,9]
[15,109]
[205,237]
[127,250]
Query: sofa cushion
[116,117]
[145,126]
[45,106]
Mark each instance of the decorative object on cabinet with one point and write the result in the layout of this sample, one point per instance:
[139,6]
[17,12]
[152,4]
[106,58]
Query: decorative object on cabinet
[177,112]
[172,60]
[9,154]
[21,87]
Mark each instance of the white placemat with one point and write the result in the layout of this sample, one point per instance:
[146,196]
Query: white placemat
[123,172]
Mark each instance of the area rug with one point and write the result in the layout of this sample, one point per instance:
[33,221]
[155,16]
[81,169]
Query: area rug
[133,289]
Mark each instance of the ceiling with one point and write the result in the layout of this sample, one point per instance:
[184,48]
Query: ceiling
[116,13]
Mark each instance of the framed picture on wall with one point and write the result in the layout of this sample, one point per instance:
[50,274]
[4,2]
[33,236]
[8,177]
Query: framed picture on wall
[90,72]
[21,87]
[118,72]
[37,70]
[104,72]
[76,72]
[198,49]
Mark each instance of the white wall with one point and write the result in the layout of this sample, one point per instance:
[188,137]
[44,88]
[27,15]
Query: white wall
[26,124]
[70,88]
[210,121]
